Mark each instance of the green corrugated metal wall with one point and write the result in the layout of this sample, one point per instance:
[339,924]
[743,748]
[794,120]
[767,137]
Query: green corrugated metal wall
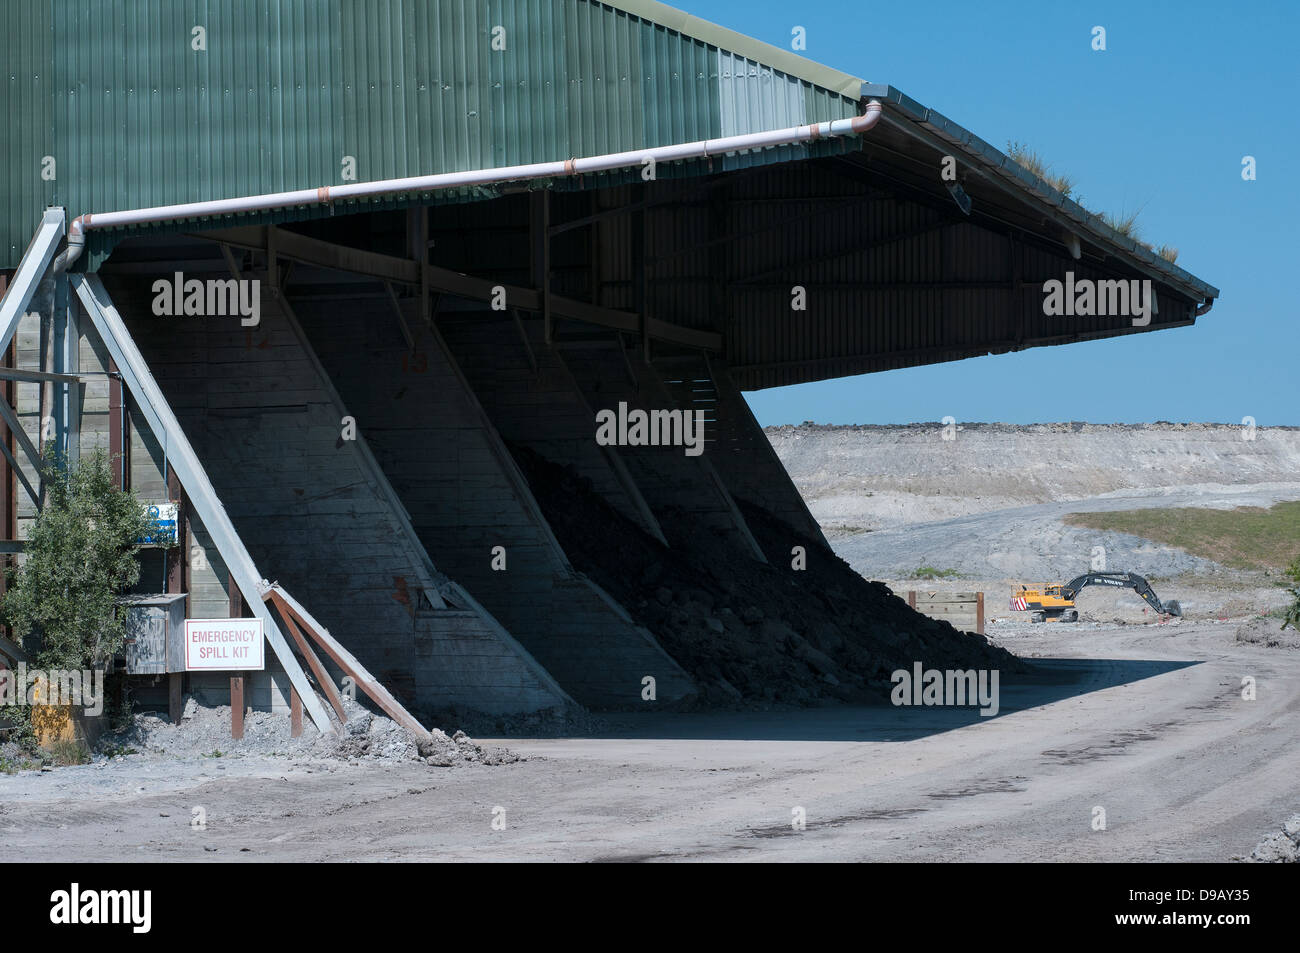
[134,117]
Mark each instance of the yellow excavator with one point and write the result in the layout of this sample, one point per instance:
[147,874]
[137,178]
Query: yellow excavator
[1055,603]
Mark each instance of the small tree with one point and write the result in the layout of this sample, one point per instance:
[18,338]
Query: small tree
[80,556]
[1292,614]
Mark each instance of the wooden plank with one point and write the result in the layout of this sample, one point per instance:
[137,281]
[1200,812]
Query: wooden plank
[346,661]
[948,612]
[39,377]
[317,669]
[236,606]
[314,251]
[236,706]
[175,697]
[295,713]
[979,613]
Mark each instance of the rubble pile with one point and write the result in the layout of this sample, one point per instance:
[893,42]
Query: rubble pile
[751,634]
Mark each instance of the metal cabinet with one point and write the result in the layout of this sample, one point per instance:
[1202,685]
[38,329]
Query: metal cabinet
[155,634]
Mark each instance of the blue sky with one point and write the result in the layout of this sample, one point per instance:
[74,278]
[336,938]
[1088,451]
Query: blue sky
[1159,121]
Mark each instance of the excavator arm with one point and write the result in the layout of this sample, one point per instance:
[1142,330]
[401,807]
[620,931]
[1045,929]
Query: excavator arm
[1124,580]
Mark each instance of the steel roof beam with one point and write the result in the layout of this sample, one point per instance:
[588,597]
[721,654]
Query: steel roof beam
[314,251]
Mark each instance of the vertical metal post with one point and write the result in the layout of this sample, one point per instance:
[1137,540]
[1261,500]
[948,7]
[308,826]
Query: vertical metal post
[177,559]
[8,486]
[58,361]
[43,304]
[72,392]
[117,428]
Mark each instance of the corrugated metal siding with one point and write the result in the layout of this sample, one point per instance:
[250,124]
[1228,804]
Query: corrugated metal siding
[27,111]
[287,88]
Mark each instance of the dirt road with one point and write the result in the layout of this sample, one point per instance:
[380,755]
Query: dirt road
[1146,722]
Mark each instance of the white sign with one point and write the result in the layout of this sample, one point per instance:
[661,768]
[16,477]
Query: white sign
[221,645]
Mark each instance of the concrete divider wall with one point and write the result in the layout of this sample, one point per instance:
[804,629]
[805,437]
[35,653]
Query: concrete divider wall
[744,458]
[534,401]
[676,486]
[466,496]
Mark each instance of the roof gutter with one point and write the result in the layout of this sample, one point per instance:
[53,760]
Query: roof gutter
[326,194]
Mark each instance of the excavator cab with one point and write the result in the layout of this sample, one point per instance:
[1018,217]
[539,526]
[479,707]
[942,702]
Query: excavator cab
[1047,603]
[1055,603]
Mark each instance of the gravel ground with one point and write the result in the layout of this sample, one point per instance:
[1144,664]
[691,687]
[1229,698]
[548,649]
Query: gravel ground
[1033,543]
[1268,632]
[1145,721]
[205,733]
[1280,847]
[1227,595]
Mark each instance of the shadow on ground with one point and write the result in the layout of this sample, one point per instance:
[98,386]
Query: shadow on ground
[1048,681]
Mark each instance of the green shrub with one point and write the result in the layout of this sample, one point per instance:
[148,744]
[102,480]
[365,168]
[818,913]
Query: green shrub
[16,727]
[80,556]
[65,752]
[929,572]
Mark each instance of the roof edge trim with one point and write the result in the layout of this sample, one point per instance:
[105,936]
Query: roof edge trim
[999,166]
